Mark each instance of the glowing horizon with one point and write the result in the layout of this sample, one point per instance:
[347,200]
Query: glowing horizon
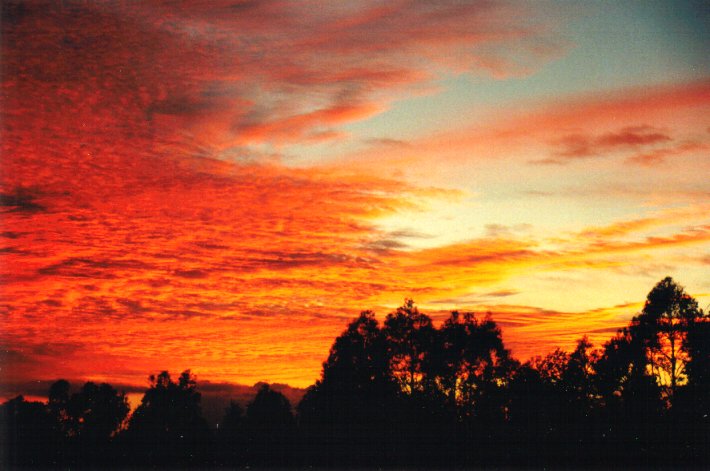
[222,186]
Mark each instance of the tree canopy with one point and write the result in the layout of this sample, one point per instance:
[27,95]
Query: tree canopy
[411,392]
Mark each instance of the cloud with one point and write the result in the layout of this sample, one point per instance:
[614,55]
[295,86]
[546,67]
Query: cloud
[182,284]
[91,268]
[575,146]
[22,200]
[660,155]
[644,145]
[198,274]
[152,224]
[275,73]
[530,331]
[387,142]
[633,137]
[585,129]
[501,230]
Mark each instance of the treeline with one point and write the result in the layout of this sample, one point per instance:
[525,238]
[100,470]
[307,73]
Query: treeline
[409,393]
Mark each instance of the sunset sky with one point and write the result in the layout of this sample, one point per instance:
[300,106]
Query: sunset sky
[223,185]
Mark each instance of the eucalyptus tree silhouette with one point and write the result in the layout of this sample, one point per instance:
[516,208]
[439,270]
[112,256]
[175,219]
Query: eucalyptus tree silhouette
[622,372]
[345,416]
[167,428]
[412,394]
[668,314]
[270,428]
[410,338]
[631,404]
[58,399]
[474,365]
[572,424]
[90,419]
[697,346]
[29,436]
[691,402]
[231,436]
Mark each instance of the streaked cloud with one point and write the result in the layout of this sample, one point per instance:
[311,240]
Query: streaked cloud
[217,185]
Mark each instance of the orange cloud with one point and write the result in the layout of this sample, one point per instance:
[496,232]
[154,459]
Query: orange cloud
[129,248]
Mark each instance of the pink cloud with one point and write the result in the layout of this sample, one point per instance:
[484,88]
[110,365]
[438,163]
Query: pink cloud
[638,126]
[579,145]
[215,75]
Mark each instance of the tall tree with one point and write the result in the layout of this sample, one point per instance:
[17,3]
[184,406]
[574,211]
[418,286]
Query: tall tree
[88,419]
[356,373]
[350,405]
[473,362]
[168,427]
[697,347]
[663,325]
[358,361]
[96,412]
[578,374]
[569,375]
[231,436]
[28,435]
[269,409]
[691,406]
[59,398]
[623,374]
[270,427]
[410,338]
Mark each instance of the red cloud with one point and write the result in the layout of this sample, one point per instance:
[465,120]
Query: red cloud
[201,76]
[141,248]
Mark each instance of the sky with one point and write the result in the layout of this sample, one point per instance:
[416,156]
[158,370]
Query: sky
[224,185]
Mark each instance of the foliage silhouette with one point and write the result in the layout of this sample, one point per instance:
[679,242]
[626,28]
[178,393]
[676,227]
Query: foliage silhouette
[410,341]
[167,428]
[475,365]
[29,435]
[410,393]
[231,436]
[270,428]
[346,414]
[89,418]
[663,324]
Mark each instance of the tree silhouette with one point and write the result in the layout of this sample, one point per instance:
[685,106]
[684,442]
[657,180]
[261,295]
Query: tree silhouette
[531,413]
[691,405]
[551,367]
[344,415]
[412,394]
[28,435]
[577,377]
[629,393]
[90,418]
[697,347]
[410,341]
[271,427]
[578,398]
[663,325]
[358,362]
[474,364]
[167,428]
[59,399]
[231,436]
[97,411]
